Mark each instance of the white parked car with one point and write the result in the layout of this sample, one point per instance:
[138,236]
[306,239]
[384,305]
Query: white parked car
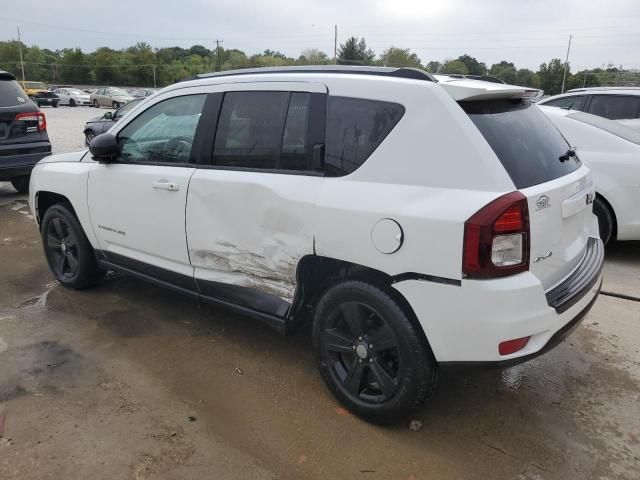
[621,104]
[72,96]
[612,151]
[417,224]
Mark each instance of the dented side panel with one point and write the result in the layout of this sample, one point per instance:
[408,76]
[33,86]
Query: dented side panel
[250,229]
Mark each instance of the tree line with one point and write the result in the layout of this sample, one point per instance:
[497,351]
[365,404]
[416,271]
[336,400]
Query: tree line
[143,65]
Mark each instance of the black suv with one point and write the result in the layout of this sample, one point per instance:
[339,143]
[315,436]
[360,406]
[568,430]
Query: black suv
[23,134]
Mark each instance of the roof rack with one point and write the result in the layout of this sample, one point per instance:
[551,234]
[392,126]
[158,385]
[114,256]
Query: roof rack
[410,73]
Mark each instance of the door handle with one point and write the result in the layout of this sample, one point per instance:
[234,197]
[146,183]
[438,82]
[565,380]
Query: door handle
[172,187]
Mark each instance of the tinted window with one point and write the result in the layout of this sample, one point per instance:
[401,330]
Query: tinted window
[615,107]
[263,130]
[11,94]
[163,133]
[355,128]
[572,102]
[523,138]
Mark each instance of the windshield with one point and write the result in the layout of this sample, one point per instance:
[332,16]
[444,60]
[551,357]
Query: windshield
[524,139]
[609,126]
[118,91]
[11,94]
[126,107]
[35,85]
[75,91]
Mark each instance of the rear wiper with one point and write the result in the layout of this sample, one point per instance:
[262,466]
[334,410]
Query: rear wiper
[567,155]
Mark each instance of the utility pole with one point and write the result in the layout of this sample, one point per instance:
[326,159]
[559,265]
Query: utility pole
[218,42]
[154,76]
[566,63]
[53,73]
[20,48]
[335,44]
[584,82]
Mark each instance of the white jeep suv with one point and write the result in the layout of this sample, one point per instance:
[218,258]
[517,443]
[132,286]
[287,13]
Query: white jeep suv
[418,224]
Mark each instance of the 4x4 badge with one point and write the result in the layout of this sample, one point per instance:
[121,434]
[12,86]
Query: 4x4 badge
[542,202]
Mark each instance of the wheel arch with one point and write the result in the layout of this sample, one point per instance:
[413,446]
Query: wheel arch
[45,199]
[607,203]
[316,274]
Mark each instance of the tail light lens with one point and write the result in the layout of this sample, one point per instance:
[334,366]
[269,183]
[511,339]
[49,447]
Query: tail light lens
[512,346]
[496,238]
[38,119]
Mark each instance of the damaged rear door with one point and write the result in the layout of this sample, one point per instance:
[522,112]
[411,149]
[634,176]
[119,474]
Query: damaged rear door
[250,209]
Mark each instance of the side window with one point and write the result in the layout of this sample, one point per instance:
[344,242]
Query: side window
[263,130]
[163,133]
[572,102]
[355,128]
[615,107]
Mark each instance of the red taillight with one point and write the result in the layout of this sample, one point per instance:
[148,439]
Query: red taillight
[36,117]
[496,238]
[512,346]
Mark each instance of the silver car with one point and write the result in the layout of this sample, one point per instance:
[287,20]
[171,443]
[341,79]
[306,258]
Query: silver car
[111,97]
[72,96]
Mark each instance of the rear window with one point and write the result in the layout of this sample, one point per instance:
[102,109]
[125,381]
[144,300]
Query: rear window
[615,107]
[355,128]
[11,94]
[571,102]
[524,139]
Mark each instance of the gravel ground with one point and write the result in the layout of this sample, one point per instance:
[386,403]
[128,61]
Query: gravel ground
[65,126]
[127,380]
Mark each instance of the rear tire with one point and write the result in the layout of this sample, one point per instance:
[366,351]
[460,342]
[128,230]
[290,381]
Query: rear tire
[21,184]
[370,355]
[67,249]
[606,220]
[95,103]
[115,105]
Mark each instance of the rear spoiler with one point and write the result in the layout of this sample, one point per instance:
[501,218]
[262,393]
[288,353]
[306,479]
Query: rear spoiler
[469,89]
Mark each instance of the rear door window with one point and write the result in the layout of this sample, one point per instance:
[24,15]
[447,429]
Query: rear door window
[615,107]
[572,102]
[11,94]
[355,128]
[525,141]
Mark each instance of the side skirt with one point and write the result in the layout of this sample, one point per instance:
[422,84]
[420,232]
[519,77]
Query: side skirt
[212,295]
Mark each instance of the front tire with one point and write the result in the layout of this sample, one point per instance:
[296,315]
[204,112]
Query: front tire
[55,104]
[21,184]
[88,136]
[115,105]
[72,103]
[606,220]
[67,249]
[369,353]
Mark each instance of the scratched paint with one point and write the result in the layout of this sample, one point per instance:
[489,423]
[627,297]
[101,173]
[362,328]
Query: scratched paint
[271,270]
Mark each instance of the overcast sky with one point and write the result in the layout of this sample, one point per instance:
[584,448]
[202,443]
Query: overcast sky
[525,32]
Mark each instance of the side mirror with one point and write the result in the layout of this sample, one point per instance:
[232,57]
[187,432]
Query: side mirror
[104,148]
[108,116]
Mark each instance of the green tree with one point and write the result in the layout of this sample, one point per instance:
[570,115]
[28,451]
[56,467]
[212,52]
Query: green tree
[505,71]
[400,57]
[455,66]
[313,56]
[525,78]
[434,66]
[550,75]
[473,66]
[73,67]
[355,52]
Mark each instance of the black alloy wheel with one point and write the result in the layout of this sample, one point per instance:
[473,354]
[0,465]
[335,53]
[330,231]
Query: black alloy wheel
[69,254]
[62,249]
[370,354]
[363,352]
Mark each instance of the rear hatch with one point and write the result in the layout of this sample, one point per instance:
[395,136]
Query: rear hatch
[15,127]
[558,188]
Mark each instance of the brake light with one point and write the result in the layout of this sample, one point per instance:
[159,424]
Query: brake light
[496,238]
[36,117]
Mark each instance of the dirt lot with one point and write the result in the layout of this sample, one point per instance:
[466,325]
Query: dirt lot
[131,381]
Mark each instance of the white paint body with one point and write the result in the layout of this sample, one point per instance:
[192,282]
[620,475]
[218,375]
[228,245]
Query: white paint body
[633,123]
[66,95]
[614,161]
[252,228]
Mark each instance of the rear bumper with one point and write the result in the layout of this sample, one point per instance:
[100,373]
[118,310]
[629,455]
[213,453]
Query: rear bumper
[465,324]
[46,100]
[18,160]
